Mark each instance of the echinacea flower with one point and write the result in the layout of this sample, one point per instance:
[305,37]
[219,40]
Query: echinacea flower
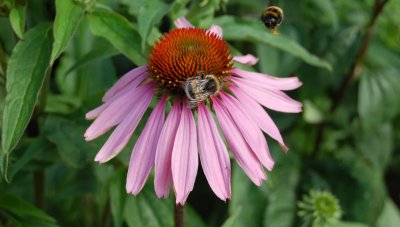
[174,143]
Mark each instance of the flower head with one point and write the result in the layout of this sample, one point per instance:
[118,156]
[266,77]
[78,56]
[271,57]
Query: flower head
[192,69]
[319,208]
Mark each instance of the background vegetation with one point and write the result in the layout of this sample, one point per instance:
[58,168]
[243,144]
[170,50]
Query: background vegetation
[57,58]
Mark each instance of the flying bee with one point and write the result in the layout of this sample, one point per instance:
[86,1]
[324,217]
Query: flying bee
[199,88]
[272,17]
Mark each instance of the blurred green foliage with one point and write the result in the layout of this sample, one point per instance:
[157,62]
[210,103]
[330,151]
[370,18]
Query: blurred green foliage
[57,58]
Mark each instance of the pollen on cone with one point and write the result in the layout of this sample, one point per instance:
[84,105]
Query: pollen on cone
[182,53]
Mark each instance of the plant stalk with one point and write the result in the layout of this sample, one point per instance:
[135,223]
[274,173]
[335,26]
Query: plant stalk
[178,215]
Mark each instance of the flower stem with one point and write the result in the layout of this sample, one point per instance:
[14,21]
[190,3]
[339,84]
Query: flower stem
[353,71]
[178,215]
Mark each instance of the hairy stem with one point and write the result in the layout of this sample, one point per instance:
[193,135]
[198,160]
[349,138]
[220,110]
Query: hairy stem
[353,71]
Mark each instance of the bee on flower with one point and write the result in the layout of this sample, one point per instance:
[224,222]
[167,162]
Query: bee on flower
[192,69]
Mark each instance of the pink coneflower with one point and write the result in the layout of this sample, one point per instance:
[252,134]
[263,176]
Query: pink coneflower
[173,144]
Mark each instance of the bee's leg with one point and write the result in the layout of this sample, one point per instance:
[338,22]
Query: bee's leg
[193,103]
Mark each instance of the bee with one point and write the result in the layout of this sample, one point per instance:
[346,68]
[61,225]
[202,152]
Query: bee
[272,17]
[200,87]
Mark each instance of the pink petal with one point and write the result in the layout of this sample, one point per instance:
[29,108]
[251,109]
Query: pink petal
[250,131]
[217,30]
[123,132]
[274,83]
[213,155]
[181,22]
[240,149]
[143,154]
[117,111]
[247,59]
[162,170]
[184,160]
[275,100]
[134,76]
[259,115]
[128,88]
[93,114]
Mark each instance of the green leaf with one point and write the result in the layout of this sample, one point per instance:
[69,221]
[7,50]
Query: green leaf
[119,32]
[37,146]
[326,8]
[239,29]
[105,50]
[68,16]
[150,13]
[17,20]
[281,209]
[379,86]
[230,222]
[347,224]
[25,76]
[390,216]
[68,136]
[248,198]
[118,196]
[192,218]
[22,209]
[148,211]
[375,146]
[378,99]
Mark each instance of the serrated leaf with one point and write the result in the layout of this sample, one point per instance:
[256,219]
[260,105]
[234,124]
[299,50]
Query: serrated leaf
[239,29]
[26,73]
[68,16]
[150,13]
[119,32]
[17,20]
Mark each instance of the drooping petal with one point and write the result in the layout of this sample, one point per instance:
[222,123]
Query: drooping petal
[162,169]
[275,100]
[144,151]
[213,155]
[259,115]
[274,83]
[247,59]
[217,30]
[136,76]
[181,22]
[123,132]
[95,112]
[185,158]
[241,151]
[122,92]
[250,131]
[117,111]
